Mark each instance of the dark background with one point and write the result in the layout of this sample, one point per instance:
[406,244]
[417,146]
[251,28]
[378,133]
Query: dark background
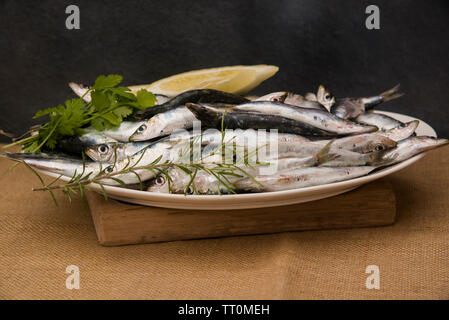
[313,42]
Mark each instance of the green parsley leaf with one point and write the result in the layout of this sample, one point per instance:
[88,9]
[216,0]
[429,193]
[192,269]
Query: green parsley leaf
[145,98]
[123,112]
[112,118]
[109,81]
[98,124]
[100,100]
[109,106]
[123,92]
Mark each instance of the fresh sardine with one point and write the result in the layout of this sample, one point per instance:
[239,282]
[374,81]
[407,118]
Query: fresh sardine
[301,178]
[56,163]
[363,143]
[323,121]
[80,90]
[410,147]
[382,121]
[350,108]
[195,96]
[322,101]
[253,120]
[163,124]
[124,131]
[402,131]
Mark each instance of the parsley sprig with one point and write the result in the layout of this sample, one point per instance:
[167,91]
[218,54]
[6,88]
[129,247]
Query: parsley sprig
[109,106]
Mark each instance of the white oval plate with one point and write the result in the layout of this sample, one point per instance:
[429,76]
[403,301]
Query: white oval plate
[264,199]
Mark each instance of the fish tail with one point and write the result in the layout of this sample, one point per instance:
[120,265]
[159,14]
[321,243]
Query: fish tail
[391,94]
[324,154]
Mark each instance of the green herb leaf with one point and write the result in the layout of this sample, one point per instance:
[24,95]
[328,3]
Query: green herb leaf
[123,112]
[100,100]
[110,81]
[145,98]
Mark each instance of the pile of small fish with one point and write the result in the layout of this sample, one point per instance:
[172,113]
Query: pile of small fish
[319,140]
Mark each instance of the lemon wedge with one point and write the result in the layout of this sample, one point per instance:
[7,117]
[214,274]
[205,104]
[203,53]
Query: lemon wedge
[235,79]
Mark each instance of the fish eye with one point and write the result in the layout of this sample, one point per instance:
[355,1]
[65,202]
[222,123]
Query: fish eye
[275,99]
[327,96]
[103,148]
[142,128]
[160,180]
[379,147]
[109,169]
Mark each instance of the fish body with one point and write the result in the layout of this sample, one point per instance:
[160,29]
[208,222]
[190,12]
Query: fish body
[294,99]
[402,131]
[57,163]
[194,96]
[322,121]
[206,183]
[382,121]
[301,178]
[253,120]
[163,124]
[350,108]
[410,147]
[80,90]
[299,101]
[362,143]
[124,131]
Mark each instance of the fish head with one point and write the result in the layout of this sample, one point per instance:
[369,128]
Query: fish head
[275,96]
[377,143]
[159,184]
[325,97]
[410,147]
[146,130]
[105,152]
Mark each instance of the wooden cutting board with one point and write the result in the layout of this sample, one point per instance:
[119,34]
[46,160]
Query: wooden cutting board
[118,223]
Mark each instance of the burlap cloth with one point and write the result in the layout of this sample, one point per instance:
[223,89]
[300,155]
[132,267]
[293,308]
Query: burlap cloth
[38,241]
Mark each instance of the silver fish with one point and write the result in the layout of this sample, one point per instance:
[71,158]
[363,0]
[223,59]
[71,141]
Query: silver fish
[301,178]
[206,183]
[322,101]
[382,121]
[350,108]
[402,131]
[410,147]
[362,143]
[80,90]
[124,131]
[56,163]
[316,118]
[299,101]
[163,124]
